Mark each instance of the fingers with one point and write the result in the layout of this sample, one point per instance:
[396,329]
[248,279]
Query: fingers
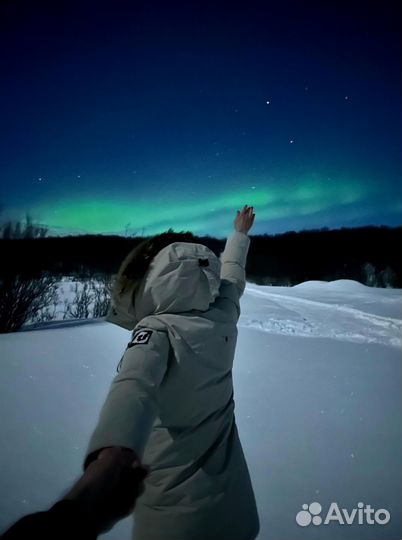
[140,469]
[130,487]
[244,219]
[246,208]
[146,468]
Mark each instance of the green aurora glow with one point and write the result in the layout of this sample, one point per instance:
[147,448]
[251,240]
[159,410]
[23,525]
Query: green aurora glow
[134,134]
[205,214]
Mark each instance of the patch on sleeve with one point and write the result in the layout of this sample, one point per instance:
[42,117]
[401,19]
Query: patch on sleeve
[141,337]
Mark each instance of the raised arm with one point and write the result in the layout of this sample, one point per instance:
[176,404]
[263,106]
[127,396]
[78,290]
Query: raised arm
[233,259]
[234,256]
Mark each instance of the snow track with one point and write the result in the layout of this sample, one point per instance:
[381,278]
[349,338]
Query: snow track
[291,315]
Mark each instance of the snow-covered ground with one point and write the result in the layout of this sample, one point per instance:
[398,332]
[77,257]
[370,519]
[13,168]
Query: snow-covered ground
[317,379]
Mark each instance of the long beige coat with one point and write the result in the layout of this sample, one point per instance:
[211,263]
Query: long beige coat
[172,401]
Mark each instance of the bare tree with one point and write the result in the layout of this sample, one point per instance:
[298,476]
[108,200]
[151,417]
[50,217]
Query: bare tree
[79,309]
[387,278]
[22,299]
[24,294]
[101,292]
[49,313]
[18,229]
[91,300]
[369,273]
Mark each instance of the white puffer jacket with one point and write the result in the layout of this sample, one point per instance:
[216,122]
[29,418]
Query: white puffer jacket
[172,401]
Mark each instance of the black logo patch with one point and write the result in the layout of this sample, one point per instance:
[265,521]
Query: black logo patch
[141,337]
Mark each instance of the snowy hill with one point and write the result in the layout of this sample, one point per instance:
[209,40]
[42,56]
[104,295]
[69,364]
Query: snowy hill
[318,405]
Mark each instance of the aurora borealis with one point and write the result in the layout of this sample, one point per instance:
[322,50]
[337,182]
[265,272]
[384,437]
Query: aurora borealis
[133,117]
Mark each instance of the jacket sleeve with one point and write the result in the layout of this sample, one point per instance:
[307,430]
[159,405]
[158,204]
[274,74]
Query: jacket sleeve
[233,268]
[130,409]
[65,520]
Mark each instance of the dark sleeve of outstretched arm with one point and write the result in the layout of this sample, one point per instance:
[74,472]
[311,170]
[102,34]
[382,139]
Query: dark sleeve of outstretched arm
[64,520]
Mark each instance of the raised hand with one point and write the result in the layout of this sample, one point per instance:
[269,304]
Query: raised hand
[244,219]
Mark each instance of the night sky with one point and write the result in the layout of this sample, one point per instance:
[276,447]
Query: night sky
[133,117]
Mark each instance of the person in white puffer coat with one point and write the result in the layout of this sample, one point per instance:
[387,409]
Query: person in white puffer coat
[172,400]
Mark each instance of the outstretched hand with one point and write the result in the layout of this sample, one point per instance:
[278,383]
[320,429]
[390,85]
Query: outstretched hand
[244,219]
[108,489]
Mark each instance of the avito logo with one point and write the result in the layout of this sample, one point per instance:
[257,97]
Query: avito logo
[363,514]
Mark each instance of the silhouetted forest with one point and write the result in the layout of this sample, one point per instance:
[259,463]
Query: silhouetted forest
[367,254]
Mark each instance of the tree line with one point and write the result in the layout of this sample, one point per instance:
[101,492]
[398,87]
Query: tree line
[32,264]
[281,259]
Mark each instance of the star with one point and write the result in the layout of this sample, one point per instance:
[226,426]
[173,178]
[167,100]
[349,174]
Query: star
[78,176]
[291,141]
[346,97]
[252,187]
[39,179]
[267,102]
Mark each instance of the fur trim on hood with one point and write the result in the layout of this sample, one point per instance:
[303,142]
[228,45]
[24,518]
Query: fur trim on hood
[181,277]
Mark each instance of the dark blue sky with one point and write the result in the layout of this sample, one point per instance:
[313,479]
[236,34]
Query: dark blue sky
[139,116]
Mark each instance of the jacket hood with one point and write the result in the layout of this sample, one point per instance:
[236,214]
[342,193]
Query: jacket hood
[181,277]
